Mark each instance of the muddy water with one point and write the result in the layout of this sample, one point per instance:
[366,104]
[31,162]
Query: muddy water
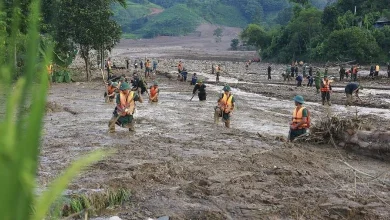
[178,163]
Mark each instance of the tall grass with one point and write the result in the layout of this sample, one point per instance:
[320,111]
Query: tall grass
[19,129]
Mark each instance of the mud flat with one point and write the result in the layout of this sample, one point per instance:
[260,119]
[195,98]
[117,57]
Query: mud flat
[179,164]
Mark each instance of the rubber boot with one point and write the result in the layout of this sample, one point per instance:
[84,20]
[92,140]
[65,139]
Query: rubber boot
[111,125]
[227,123]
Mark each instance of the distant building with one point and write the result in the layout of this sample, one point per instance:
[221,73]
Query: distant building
[383,21]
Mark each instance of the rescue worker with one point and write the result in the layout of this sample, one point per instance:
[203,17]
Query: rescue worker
[218,72]
[135,65]
[225,106]
[388,70]
[342,73]
[202,90]
[108,67]
[286,75]
[350,89]
[127,63]
[180,67]
[376,70]
[155,62]
[354,73]
[296,69]
[141,64]
[125,108]
[292,70]
[299,121]
[184,74]
[154,92]
[309,81]
[112,88]
[317,80]
[269,72]
[299,80]
[325,90]
[194,79]
[372,71]
[148,69]
[304,71]
[310,70]
[50,71]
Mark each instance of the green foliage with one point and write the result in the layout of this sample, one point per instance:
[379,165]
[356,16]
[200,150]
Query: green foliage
[89,28]
[336,33]
[92,202]
[352,43]
[218,34]
[177,20]
[234,44]
[20,128]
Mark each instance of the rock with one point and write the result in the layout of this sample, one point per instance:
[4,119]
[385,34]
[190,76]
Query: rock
[163,218]
[114,218]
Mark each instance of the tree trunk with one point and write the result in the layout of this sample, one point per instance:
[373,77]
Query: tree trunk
[84,50]
[373,140]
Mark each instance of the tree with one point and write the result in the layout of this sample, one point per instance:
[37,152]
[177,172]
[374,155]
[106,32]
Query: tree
[234,44]
[218,34]
[256,36]
[352,43]
[85,25]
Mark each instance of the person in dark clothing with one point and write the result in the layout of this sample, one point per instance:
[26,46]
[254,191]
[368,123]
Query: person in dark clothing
[194,79]
[296,70]
[141,64]
[310,81]
[299,80]
[351,88]
[292,70]
[310,71]
[184,74]
[269,72]
[202,90]
[127,63]
[388,70]
[342,73]
[372,70]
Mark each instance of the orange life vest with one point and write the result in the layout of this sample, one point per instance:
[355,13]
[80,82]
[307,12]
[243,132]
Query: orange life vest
[226,103]
[326,87]
[126,101]
[111,89]
[49,69]
[153,91]
[298,116]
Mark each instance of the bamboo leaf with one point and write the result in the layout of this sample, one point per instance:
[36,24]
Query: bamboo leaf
[48,197]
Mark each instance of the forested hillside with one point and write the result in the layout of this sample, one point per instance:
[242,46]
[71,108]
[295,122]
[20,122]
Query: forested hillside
[146,19]
[338,33]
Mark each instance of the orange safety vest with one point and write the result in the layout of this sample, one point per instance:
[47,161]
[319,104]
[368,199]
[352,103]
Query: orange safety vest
[326,86]
[298,116]
[110,89]
[50,69]
[226,103]
[153,91]
[126,102]
[354,70]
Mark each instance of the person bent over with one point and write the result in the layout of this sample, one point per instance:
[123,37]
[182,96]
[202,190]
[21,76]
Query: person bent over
[125,108]
[202,90]
[299,121]
[225,107]
[350,89]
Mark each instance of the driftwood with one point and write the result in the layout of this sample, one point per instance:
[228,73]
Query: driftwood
[348,131]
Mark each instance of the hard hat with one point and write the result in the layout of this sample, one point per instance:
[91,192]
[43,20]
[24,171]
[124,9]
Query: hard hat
[299,99]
